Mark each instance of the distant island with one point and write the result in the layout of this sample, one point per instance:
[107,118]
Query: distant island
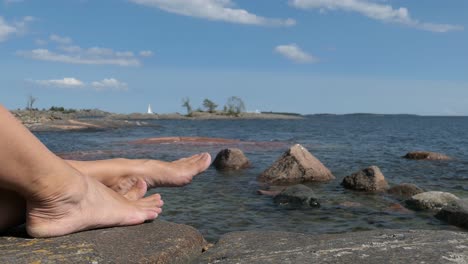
[62,119]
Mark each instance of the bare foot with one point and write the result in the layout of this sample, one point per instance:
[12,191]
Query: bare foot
[132,189]
[176,173]
[85,204]
[157,173]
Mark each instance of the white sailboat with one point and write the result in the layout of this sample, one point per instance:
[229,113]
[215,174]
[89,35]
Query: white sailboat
[150,111]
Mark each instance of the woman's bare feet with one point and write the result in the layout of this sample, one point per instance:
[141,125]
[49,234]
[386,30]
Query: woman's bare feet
[172,174]
[85,204]
[133,189]
[156,173]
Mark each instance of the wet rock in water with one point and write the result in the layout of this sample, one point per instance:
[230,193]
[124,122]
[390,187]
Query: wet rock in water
[426,155]
[430,200]
[368,180]
[398,208]
[193,140]
[269,192]
[405,190]
[296,165]
[231,159]
[155,242]
[456,213]
[350,204]
[297,196]
[378,246]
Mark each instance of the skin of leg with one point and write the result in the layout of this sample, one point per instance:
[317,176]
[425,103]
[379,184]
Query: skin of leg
[120,174]
[127,177]
[59,199]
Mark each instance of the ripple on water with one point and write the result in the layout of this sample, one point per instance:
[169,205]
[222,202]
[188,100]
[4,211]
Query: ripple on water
[217,203]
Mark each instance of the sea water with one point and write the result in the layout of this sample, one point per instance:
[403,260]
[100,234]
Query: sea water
[220,202]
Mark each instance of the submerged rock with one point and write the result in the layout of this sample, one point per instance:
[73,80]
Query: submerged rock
[231,159]
[379,246]
[269,192]
[368,180]
[405,190]
[296,165]
[426,155]
[431,200]
[297,196]
[195,140]
[349,204]
[456,213]
[156,242]
[398,208]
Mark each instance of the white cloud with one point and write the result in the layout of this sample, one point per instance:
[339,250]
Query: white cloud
[219,10]
[67,52]
[60,39]
[17,27]
[5,30]
[110,84]
[374,10]
[124,54]
[294,53]
[62,83]
[146,53]
[71,49]
[40,42]
[76,55]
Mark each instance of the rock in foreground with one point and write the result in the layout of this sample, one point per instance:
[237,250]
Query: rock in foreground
[455,213]
[296,165]
[426,155]
[405,190]
[368,180]
[431,200]
[297,196]
[386,246]
[156,242]
[231,159]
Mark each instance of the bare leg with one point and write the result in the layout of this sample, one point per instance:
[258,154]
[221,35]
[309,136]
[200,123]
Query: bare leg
[121,174]
[59,199]
[130,178]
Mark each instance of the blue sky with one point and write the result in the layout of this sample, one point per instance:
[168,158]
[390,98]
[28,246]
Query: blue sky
[305,56]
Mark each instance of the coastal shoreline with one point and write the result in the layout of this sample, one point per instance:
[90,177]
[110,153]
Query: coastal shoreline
[165,242]
[78,120]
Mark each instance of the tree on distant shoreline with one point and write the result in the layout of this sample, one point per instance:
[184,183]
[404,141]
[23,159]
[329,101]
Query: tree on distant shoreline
[187,105]
[234,106]
[30,102]
[209,105]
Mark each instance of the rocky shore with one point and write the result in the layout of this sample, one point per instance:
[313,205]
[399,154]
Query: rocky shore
[94,119]
[163,242]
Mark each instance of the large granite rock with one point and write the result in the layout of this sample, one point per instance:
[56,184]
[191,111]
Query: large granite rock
[296,165]
[368,180]
[297,196]
[426,155]
[156,242]
[455,213]
[430,201]
[231,159]
[405,190]
[382,246]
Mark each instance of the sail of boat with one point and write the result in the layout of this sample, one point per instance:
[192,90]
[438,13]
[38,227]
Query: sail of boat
[150,111]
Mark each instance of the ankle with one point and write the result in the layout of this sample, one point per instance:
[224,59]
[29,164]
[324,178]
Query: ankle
[70,186]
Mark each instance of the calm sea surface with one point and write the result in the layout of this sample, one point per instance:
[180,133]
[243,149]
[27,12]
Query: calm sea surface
[217,203]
